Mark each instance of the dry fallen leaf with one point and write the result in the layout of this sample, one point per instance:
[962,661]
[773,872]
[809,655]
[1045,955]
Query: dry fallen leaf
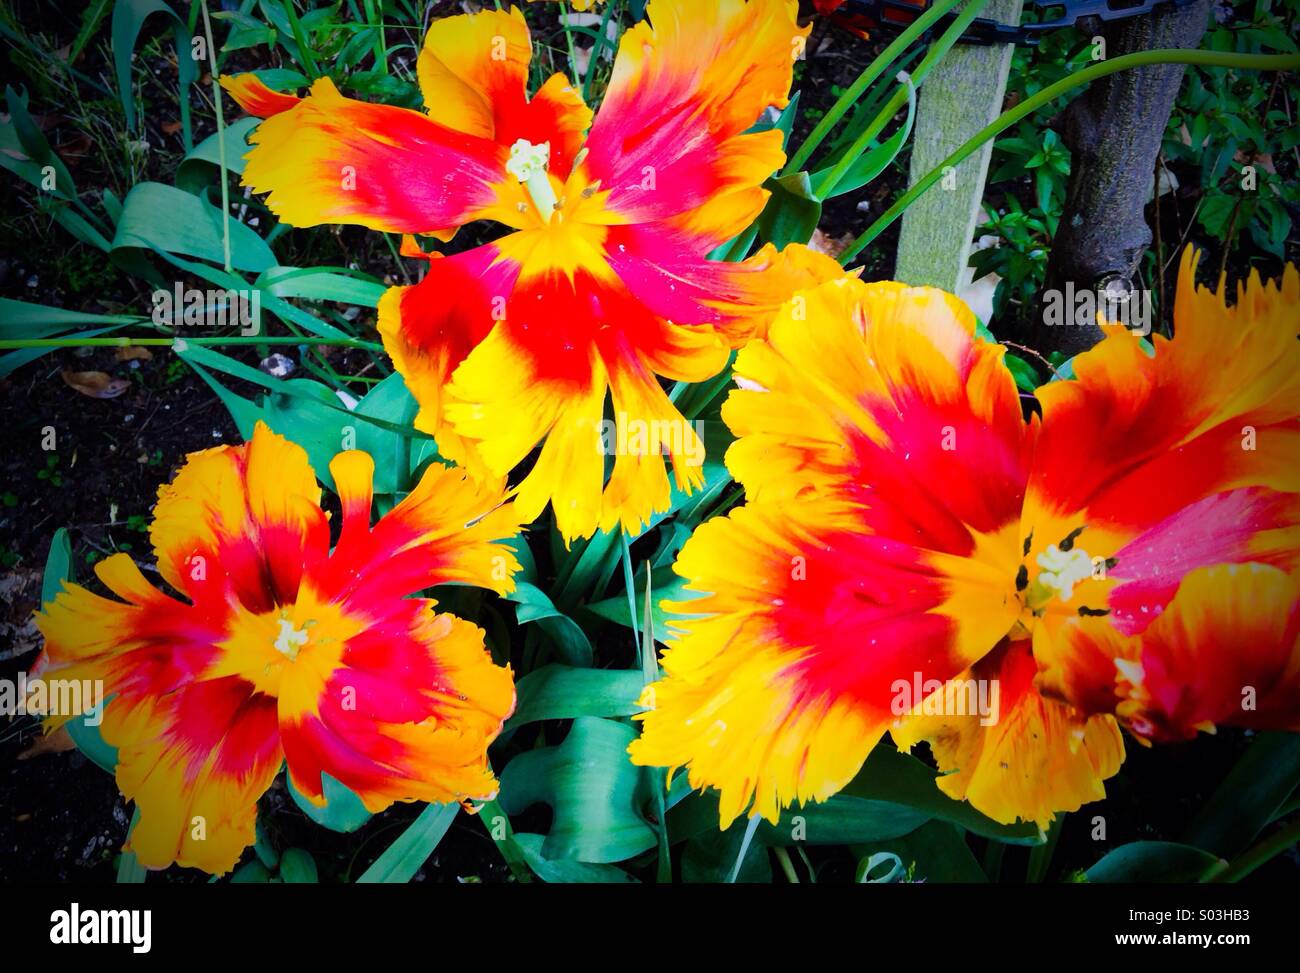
[132,353]
[57,742]
[97,385]
[829,245]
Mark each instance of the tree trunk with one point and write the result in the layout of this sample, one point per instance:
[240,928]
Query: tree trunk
[1113,131]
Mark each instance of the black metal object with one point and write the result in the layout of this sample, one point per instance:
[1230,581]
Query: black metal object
[1053,15]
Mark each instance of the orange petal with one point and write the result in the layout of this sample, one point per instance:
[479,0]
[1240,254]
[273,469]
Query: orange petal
[1024,757]
[241,516]
[333,159]
[255,97]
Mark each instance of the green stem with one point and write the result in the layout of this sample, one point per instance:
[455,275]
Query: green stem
[488,813]
[1040,856]
[596,51]
[295,26]
[869,74]
[629,582]
[375,18]
[936,53]
[128,342]
[787,866]
[1268,849]
[221,137]
[1217,59]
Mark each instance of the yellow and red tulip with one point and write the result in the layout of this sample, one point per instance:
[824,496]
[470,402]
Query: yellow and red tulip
[281,651]
[1128,558]
[602,284]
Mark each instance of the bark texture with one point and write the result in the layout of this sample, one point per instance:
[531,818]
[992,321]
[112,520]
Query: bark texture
[1113,131]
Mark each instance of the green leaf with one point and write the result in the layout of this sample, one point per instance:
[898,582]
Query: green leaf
[245,412]
[58,566]
[251,873]
[710,857]
[91,18]
[58,569]
[318,284]
[155,216]
[343,811]
[33,144]
[245,31]
[936,852]
[129,869]
[19,319]
[390,401]
[263,848]
[667,585]
[563,870]
[889,775]
[1154,861]
[557,692]
[1249,797]
[1024,373]
[91,743]
[842,820]
[202,164]
[593,788]
[128,17]
[792,211]
[532,605]
[407,855]
[309,419]
[874,160]
[297,867]
[887,866]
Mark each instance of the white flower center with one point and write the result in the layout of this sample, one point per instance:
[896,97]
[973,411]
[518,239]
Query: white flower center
[290,639]
[528,163]
[1062,570]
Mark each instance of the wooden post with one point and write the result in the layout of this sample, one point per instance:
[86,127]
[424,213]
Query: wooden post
[961,95]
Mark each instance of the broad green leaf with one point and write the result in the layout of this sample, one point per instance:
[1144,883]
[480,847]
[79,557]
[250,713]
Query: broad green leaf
[263,847]
[842,820]
[593,788]
[343,811]
[251,873]
[1249,797]
[202,164]
[900,778]
[792,211]
[297,867]
[667,586]
[532,605]
[935,852]
[407,855]
[391,402]
[558,692]
[155,216]
[1154,861]
[1024,373]
[128,17]
[566,870]
[309,419]
[711,856]
[316,284]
